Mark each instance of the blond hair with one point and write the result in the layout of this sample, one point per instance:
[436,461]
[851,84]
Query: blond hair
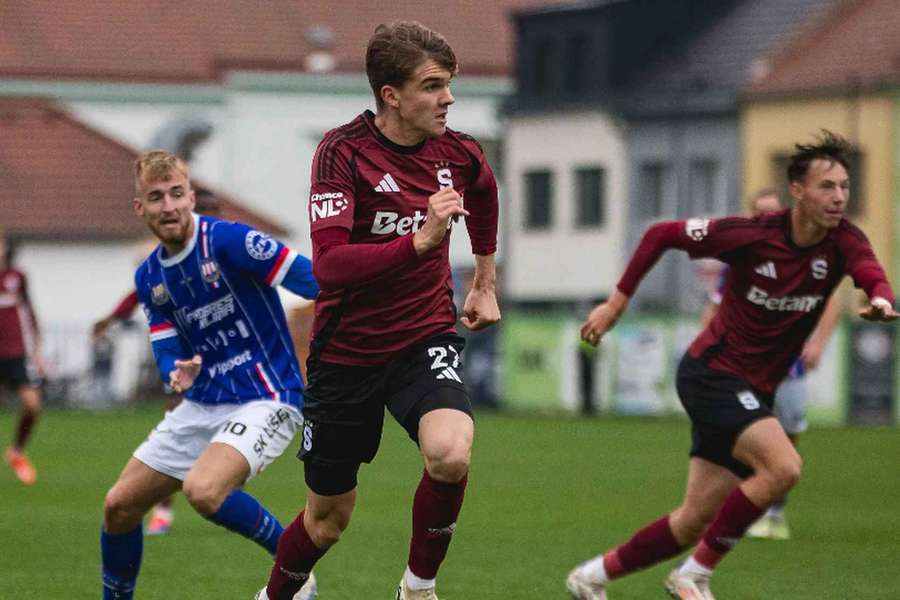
[157,165]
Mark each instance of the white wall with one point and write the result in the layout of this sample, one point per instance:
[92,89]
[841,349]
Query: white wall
[563,262]
[72,285]
[266,131]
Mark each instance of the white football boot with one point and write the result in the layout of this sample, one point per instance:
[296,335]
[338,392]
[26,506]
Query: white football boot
[307,592]
[687,587]
[581,588]
[404,593]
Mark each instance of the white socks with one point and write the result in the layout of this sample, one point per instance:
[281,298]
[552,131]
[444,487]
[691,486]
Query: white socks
[595,571]
[692,567]
[417,583]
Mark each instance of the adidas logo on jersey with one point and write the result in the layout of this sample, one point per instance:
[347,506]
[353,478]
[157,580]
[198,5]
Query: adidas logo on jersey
[387,184]
[767,269]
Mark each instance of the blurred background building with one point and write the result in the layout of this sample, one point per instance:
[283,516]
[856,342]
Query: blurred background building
[599,117]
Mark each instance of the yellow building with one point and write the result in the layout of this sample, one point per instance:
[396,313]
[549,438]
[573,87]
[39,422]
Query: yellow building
[840,73]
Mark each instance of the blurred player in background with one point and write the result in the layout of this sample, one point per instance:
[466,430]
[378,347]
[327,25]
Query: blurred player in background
[386,189]
[220,338]
[782,269]
[790,397]
[162,516]
[19,357]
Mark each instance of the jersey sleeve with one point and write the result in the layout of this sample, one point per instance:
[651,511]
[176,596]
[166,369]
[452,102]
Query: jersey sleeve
[339,264]
[700,238]
[262,257]
[863,266]
[482,203]
[331,196]
[167,344]
[125,307]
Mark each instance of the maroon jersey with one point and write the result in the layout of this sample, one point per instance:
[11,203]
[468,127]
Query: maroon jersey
[125,308]
[774,292]
[18,325]
[367,199]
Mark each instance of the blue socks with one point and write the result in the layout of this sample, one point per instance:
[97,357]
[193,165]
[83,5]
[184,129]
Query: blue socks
[243,514]
[121,554]
[121,560]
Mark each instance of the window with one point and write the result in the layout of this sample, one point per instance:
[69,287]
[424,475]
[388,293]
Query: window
[590,197]
[653,184]
[857,199]
[538,199]
[575,70]
[543,66]
[705,198]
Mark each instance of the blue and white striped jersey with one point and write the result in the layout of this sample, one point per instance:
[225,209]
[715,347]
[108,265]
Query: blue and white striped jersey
[217,298]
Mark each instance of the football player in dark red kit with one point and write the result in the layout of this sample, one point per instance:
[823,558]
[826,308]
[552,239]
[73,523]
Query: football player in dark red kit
[387,190]
[18,346]
[783,267]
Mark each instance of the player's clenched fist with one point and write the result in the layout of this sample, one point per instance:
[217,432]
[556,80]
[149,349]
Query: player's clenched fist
[443,205]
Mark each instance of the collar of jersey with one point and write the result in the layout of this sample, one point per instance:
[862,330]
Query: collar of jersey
[386,142]
[174,260]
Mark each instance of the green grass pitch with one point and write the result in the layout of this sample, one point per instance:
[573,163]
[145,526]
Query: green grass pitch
[544,494]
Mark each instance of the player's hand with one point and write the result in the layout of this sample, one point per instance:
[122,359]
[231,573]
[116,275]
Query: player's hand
[603,317]
[879,309]
[811,354]
[443,205]
[101,327]
[39,363]
[481,309]
[186,371]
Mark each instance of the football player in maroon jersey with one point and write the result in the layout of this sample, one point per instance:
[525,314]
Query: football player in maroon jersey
[18,346]
[782,268]
[387,190]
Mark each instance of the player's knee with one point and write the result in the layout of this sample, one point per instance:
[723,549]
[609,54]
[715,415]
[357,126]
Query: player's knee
[782,475]
[31,399]
[326,532]
[120,514]
[449,465]
[204,495]
[787,473]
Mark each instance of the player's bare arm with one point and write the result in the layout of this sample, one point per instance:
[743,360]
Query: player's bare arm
[480,309]
[603,318]
[186,371]
[879,309]
[442,206]
[815,345]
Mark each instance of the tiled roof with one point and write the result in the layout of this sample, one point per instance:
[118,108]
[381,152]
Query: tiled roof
[723,56]
[161,40]
[59,178]
[856,47]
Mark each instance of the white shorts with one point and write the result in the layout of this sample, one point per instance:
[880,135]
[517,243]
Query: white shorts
[259,430]
[790,405]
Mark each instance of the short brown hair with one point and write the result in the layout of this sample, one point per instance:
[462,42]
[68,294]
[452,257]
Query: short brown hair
[395,50]
[156,165]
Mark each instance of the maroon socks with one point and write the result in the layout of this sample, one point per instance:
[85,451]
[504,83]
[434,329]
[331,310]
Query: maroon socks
[435,509]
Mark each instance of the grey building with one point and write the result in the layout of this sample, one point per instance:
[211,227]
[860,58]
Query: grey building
[656,85]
